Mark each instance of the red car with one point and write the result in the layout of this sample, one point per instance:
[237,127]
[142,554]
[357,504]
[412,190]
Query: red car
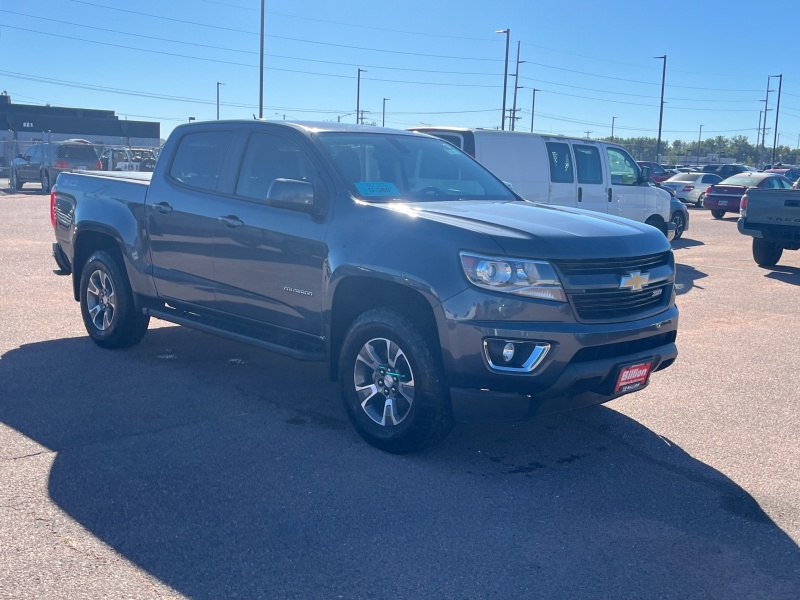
[657,172]
[726,195]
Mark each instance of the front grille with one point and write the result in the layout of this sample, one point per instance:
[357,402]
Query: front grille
[623,348]
[608,305]
[614,266]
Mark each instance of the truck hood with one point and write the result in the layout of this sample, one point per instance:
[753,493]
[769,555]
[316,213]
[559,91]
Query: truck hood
[528,229]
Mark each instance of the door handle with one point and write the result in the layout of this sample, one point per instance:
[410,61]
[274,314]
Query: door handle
[580,194]
[609,194]
[230,221]
[163,207]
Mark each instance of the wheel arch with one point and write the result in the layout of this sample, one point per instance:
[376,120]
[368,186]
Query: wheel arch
[355,295]
[87,242]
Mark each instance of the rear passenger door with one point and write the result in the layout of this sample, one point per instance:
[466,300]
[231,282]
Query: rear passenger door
[562,190]
[591,182]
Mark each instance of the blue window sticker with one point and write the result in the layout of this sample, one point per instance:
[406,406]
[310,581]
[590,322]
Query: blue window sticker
[377,188]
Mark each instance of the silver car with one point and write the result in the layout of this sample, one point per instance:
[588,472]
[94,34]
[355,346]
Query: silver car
[691,187]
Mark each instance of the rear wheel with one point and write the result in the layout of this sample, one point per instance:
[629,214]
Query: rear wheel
[717,214]
[766,254]
[17,183]
[107,306]
[657,222]
[680,223]
[392,383]
[45,179]
[700,200]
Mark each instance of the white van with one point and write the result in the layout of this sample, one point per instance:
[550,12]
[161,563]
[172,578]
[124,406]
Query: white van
[574,172]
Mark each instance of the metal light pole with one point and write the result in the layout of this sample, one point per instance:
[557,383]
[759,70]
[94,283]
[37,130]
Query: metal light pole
[777,113]
[358,96]
[533,107]
[505,77]
[516,87]
[764,130]
[383,116]
[612,127]
[699,137]
[218,84]
[191,119]
[661,110]
[261,69]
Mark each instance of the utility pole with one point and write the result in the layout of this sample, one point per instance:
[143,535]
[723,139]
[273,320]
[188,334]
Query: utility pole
[587,133]
[533,107]
[661,110]
[777,114]
[758,131]
[516,87]
[505,78]
[612,127]
[699,137]
[358,96]
[261,69]
[218,84]
[383,118]
[764,131]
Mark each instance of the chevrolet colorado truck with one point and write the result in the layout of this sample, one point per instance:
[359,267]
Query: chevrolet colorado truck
[772,218]
[433,292]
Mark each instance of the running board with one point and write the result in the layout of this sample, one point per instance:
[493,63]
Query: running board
[281,344]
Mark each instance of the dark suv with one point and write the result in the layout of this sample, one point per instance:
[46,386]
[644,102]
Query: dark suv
[726,171]
[42,162]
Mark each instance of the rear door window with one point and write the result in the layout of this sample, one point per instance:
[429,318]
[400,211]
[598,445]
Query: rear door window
[560,160]
[588,164]
[199,157]
[712,179]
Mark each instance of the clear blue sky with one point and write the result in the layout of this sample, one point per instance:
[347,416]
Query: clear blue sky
[438,62]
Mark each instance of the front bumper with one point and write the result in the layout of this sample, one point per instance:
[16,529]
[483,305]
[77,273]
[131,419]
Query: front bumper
[580,369]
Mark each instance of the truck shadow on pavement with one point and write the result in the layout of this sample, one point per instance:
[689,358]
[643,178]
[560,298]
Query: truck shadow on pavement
[786,274]
[686,277]
[226,471]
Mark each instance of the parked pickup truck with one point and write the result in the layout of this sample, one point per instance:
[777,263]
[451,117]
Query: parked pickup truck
[772,218]
[432,291]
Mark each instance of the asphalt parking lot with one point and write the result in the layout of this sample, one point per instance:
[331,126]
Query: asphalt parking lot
[191,466]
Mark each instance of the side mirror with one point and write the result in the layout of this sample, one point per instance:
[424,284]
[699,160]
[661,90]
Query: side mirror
[293,194]
[645,175]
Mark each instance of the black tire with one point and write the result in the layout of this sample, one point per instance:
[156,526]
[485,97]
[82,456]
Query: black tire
[657,222]
[717,214]
[105,293]
[766,254]
[44,178]
[680,223]
[17,182]
[416,423]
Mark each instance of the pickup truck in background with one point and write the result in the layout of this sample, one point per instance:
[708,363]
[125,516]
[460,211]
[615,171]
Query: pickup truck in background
[772,218]
[433,292]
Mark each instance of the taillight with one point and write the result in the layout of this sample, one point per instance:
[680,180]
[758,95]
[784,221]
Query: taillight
[708,190]
[743,206]
[98,166]
[61,164]
[53,206]
[688,188]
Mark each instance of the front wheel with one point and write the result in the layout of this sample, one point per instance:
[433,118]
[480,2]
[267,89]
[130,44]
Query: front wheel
[107,306]
[17,185]
[766,254]
[45,179]
[680,224]
[393,384]
[717,214]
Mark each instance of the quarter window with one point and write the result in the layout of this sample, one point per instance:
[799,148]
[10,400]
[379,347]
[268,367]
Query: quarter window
[560,163]
[587,162]
[198,159]
[624,170]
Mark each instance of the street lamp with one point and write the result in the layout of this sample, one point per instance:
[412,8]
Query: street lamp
[191,119]
[383,117]
[661,109]
[699,137]
[533,107]
[358,96]
[505,77]
[612,127]
[218,84]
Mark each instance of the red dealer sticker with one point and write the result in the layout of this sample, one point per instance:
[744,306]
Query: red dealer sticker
[633,377]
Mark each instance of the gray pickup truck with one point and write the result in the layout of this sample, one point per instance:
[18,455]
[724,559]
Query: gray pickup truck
[432,291]
[772,218]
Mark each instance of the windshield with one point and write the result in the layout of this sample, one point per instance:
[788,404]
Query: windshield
[381,167]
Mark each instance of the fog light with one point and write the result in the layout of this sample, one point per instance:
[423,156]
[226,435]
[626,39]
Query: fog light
[508,352]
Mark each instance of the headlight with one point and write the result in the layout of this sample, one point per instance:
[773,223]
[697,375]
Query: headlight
[530,278]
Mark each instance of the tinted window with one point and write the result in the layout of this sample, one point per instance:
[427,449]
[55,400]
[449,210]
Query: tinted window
[198,158]
[560,162]
[688,177]
[712,179]
[453,139]
[746,181]
[270,157]
[624,170]
[587,162]
[83,152]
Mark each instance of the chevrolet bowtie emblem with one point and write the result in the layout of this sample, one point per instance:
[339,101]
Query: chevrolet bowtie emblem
[635,281]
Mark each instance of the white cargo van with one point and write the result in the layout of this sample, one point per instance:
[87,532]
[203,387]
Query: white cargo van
[575,172]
